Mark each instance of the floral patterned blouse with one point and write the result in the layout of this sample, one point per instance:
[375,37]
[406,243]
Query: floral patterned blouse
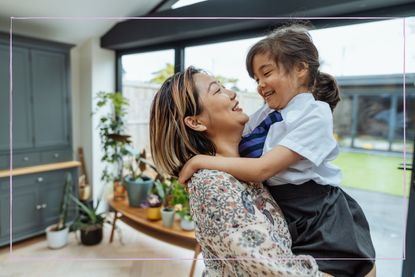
[241,229]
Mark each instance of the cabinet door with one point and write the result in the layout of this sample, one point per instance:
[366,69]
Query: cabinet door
[51,193]
[50,96]
[22,125]
[25,210]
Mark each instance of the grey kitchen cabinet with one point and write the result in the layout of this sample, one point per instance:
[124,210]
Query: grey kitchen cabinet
[36,203]
[39,102]
[22,108]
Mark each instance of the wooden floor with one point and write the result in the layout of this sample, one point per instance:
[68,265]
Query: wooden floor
[33,258]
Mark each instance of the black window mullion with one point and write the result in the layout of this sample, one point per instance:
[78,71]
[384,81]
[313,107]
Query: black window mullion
[178,59]
[392,119]
[118,72]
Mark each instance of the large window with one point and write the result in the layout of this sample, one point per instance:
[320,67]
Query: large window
[226,61]
[367,58]
[373,48]
[369,118]
[142,76]
[359,50]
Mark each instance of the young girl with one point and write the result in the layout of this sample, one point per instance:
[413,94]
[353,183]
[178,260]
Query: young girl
[290,143]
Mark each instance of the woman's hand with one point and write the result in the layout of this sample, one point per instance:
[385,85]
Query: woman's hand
[190,167]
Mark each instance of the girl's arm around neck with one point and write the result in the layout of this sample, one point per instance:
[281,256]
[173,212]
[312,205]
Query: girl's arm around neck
[246,169]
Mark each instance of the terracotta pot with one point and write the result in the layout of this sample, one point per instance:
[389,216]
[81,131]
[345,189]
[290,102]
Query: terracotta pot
[119,191]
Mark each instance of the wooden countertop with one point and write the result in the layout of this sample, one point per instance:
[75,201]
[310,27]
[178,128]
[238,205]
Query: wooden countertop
[39,168]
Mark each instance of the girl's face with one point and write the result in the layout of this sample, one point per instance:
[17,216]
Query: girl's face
[275,85]
[220,107]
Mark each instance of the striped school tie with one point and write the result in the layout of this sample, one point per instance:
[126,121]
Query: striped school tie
[251,145]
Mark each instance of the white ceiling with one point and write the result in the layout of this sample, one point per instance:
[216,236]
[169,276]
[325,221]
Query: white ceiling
[74,30]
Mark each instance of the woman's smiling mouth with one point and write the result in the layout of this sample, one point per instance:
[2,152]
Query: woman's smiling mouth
[236,108]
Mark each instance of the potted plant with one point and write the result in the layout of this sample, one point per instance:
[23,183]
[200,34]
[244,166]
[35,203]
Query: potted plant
[164,188]
[154,205]
[186,221]
[89,222]
[181,202]
[137,184]
[113,138]
[57,234]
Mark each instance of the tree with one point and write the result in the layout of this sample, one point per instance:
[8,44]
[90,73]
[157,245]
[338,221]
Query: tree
[162,74]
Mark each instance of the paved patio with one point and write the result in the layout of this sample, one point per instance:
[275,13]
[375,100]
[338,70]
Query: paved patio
[385,214]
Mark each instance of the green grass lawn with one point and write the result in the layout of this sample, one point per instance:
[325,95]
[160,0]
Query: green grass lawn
[373,172]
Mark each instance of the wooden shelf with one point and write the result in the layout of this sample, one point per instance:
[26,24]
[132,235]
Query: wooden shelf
[39,168]
[139,215]
[137,218]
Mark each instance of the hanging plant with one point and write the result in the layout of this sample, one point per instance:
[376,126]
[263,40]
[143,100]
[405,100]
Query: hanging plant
[112,134]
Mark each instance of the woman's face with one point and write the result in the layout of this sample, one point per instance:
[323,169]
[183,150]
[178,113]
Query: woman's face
[275,85]
[220,107]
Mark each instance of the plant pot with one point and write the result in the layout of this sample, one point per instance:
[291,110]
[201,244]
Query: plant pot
[167,215]
[187,225]
[119,190]
[57,239]
[137,190]
[91,235]
[154,213]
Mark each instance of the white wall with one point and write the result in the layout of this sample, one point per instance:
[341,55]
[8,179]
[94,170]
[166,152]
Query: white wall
[93,70]
[103,79]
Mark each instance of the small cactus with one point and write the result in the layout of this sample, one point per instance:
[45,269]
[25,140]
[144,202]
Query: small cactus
[63,213]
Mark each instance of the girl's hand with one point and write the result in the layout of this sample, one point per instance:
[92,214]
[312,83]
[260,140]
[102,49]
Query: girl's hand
[188,169]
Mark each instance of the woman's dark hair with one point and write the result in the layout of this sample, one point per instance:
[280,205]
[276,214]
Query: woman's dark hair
[172,142]
[289,46]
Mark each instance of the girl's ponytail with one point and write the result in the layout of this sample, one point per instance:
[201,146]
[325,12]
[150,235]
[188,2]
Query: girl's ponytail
[325,89]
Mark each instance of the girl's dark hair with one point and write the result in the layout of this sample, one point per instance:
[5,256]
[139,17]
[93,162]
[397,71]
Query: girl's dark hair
[172,142]
[290,46]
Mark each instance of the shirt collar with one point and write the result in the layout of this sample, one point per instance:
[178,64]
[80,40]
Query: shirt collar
[299,100]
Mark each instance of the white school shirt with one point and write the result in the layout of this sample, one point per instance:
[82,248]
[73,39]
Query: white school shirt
[307,129]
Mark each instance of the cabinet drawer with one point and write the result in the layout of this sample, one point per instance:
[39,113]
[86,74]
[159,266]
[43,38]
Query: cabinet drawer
[27,159]
[4,162]
[19,160]
[33,179]
[56,156]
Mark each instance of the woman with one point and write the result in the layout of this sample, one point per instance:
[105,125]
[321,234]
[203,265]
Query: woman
[240,228]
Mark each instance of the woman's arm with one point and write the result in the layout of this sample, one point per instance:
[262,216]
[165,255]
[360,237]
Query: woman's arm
[246,169]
